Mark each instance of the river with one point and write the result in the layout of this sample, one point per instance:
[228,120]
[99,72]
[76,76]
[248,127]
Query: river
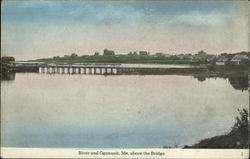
[119,111]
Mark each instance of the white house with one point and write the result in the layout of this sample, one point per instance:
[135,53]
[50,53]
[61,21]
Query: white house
[221,61]
[237,59]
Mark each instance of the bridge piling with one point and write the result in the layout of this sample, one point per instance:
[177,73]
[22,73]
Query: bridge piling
[63,70]
[58,70]
[53,70]
[73,70]
[90,70]
[42,69]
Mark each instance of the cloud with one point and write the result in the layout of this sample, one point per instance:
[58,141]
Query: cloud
[106,14]
[197,19]
[33,29]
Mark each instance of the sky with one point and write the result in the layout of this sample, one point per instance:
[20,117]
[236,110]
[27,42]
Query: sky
[39,29]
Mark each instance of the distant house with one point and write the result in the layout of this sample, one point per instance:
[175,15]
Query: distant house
[222,61]
[181,56]
[96,54]
[108,52]
[210,57]
[56,57]
[132,53]
[238,59]
[160,54]
[73,55]
[143,53]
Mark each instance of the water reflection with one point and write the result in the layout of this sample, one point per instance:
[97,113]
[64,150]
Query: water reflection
[8,76]
[237,82]
[200,78]
[115,111]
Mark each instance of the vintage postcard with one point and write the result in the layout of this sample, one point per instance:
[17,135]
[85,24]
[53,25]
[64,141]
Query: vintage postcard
[124,79]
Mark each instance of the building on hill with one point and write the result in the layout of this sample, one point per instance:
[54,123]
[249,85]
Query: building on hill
[159,54]
[239,59]
[108,52]
[143,53]
[56,57]
[73,55]
[222,61]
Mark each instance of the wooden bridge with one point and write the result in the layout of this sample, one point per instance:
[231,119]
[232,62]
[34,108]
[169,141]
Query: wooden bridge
[84,69]
[102,69]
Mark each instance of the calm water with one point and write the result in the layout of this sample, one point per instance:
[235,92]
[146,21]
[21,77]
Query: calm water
[157,65]
[95,111]
[141,65]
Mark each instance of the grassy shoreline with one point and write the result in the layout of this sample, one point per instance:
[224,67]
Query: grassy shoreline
[116,59]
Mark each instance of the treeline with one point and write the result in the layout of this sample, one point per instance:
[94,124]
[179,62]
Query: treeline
[200,58]
[117,59]
[7,64]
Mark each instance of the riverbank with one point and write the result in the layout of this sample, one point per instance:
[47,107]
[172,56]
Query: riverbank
[237,138]
[117,59]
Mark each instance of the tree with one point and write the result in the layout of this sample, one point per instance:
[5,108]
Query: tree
[241,125]
[202,52]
